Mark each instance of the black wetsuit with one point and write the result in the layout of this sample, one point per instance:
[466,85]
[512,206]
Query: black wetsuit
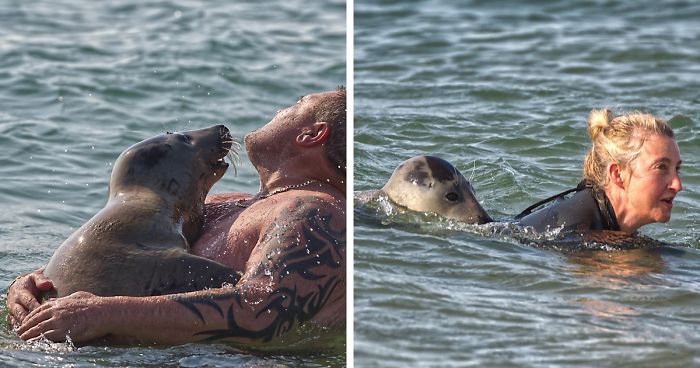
[587,209]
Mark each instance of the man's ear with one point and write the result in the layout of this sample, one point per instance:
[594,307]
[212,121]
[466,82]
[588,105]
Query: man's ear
[314,135]
[615,175]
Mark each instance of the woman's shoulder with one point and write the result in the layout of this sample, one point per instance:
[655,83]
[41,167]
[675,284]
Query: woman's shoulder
[572,211]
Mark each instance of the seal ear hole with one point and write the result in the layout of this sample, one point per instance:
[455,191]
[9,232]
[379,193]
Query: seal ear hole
[183,138]
[451,197]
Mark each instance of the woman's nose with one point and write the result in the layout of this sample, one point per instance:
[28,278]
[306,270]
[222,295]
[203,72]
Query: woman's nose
[676,183]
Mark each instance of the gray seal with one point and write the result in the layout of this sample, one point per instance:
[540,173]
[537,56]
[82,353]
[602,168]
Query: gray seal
[431,184]
[138,244]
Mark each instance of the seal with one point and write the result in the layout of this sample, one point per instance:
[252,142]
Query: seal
[431,184]
[138,244]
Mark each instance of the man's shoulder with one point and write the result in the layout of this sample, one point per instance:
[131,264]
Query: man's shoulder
[225,197]
[296,210]
[306,201]
[310,219]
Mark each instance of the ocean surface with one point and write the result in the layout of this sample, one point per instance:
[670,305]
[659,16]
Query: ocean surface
[502,90]
[82,81]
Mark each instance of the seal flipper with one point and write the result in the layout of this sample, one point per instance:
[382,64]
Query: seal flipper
[180,272]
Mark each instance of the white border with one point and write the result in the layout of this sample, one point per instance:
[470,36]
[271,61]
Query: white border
[350,259]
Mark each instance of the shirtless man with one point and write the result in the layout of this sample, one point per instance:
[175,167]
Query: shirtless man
[288,240]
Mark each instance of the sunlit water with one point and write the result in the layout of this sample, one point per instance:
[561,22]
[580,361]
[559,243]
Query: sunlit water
[81,81]
[503,91]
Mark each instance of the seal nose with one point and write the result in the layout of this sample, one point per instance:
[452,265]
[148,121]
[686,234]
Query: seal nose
[223,131]
[225,137]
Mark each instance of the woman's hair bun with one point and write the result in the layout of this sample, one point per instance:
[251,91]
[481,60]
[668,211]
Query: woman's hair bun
[598,120]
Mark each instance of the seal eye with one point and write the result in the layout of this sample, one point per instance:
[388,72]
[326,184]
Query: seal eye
[451,197]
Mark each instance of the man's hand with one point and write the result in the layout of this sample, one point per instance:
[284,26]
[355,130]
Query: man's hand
[23,295]
[79,315]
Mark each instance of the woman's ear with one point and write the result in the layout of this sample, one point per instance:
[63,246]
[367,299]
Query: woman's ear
[615,175]
[313,135]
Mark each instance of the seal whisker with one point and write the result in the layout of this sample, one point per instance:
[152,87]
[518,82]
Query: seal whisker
[233,154]
[473,170]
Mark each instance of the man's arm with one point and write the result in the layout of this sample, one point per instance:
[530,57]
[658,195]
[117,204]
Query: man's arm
[296,270]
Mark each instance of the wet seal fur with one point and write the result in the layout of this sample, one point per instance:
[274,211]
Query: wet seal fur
[138,244]
[431,184]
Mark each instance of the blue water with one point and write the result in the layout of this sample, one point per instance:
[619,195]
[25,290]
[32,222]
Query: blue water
[81,81]
[502,90]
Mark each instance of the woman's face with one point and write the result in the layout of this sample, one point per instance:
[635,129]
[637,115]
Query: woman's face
[652,181]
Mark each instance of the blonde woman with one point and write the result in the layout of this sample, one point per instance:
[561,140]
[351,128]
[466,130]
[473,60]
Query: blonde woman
[630,178]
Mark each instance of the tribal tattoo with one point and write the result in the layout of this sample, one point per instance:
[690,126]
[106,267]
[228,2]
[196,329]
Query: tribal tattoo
[304,249]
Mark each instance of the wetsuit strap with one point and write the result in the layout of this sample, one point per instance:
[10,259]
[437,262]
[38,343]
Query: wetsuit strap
[581,186]
[606,209]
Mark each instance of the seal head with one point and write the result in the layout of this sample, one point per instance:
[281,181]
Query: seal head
[431,184]
[180,168]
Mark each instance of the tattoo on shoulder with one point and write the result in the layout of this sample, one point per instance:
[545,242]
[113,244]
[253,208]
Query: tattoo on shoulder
[306,254]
